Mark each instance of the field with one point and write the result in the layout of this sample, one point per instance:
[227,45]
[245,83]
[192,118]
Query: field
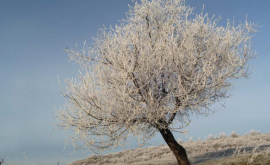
[252,148]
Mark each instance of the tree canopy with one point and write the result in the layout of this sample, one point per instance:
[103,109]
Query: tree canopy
[157,67]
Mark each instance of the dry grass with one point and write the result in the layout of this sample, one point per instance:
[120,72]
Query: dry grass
[26,161]
[261,157]
[252,148]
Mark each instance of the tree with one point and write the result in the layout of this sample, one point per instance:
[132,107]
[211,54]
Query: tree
[150,73]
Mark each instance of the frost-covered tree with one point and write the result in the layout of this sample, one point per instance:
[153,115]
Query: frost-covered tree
[150,73]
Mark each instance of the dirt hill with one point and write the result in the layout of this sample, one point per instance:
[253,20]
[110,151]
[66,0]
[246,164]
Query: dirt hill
[252,148]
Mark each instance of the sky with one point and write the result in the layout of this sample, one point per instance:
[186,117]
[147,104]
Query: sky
[33,34]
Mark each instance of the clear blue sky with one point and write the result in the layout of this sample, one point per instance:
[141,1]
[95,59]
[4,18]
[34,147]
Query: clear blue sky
[32,36]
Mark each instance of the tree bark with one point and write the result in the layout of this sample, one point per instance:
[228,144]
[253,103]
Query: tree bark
[178,150]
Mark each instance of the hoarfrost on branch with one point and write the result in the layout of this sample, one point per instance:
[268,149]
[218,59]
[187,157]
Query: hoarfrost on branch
[152,71]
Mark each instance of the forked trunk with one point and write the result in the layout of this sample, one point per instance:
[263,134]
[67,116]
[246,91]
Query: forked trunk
[178,150]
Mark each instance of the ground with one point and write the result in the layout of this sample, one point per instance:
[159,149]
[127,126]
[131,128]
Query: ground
[252,148]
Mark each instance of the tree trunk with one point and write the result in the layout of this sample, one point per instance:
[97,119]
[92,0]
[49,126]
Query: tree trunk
[178,150]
